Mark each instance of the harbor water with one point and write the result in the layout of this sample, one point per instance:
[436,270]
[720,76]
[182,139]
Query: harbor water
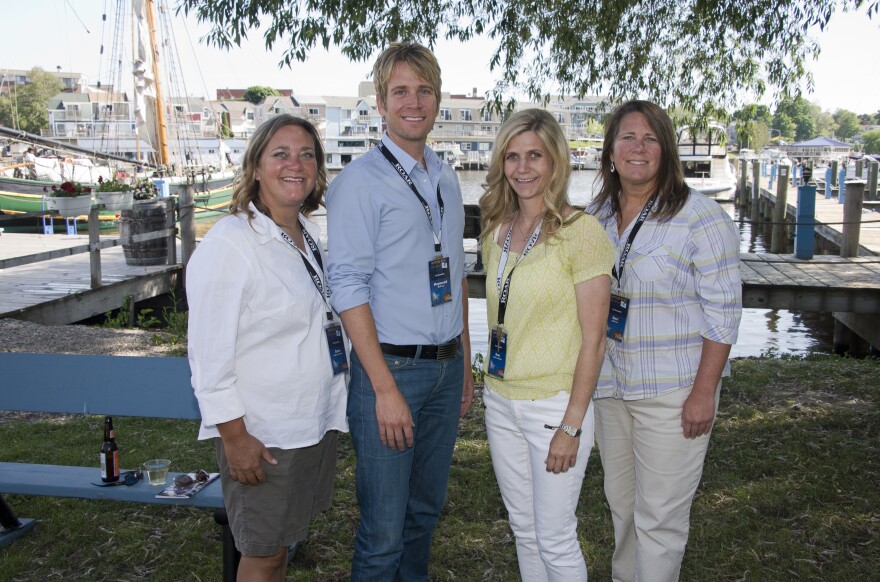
[762,331]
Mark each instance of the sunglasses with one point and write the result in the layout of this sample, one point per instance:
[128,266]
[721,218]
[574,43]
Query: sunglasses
[184,479]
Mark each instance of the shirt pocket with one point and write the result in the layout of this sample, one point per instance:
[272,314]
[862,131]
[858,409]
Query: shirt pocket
[648,264]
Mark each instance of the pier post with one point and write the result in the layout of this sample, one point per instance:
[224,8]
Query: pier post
[872,181]
[94,249]
[805,231]
[773,171]
[828,174]
[778,238]
[169,224]
[743,193]
[187,224]
[834,173]
[841,186]
[859,166]
[852,218]
[756,190]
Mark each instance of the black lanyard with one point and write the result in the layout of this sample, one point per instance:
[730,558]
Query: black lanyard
[643,215]
[502,262]
[316,278]
[405,176]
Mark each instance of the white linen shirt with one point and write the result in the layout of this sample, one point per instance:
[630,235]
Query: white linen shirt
[683,283]
[257,346]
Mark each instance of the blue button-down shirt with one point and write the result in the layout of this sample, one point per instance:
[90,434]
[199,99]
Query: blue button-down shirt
[380,243]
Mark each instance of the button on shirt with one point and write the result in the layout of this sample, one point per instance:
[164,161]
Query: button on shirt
[380,243]
[683,282]
[257,347]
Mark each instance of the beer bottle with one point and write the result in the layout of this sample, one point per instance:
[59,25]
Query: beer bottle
[109,453]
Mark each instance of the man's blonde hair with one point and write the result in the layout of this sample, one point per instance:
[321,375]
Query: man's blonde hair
[420,59]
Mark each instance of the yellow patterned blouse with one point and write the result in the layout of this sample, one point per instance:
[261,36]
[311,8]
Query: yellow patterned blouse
[544,335]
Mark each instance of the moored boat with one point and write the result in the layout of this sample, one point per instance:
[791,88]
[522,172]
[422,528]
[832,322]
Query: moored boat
[705,161]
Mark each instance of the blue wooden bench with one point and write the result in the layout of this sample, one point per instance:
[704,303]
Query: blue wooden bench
[103,385]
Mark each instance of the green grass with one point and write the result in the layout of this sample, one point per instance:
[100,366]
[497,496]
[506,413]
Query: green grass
[790,492]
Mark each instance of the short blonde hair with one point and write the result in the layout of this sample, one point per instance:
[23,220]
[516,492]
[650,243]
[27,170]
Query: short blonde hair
[247,188]
[420,59]
[499,202]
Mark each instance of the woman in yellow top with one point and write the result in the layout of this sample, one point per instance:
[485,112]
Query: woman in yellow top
[548,285]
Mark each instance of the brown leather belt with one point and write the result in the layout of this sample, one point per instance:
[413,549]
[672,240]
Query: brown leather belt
[442,351]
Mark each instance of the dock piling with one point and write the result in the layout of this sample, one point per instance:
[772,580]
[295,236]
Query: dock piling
[778,238]
[805,231]
[872,181]
[828,174]
[852,217]
[94,249]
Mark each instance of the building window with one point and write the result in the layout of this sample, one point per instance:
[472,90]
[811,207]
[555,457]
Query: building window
[466,146]
[560,118]
[313,111]
[445,115]
[487,115]
[466,115]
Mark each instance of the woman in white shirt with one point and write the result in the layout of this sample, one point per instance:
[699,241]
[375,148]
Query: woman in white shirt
[268,358]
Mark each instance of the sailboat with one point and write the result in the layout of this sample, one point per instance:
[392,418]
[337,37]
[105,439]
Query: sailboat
[179,161]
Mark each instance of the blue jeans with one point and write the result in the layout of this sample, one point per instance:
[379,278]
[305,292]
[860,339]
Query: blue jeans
[401,493]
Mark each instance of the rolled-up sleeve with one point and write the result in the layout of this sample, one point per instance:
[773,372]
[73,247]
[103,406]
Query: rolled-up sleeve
[216,284]
[352,227]
[715,254]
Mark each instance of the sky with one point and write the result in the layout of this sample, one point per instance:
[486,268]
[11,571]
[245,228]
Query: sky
[68,34]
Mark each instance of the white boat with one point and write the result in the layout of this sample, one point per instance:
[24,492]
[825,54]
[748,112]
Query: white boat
[704,159]
[342,150]
[450,153]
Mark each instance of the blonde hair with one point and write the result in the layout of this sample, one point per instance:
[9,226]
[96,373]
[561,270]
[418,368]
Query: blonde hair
[420,59]
[499,202]
[246,188]
[672,191]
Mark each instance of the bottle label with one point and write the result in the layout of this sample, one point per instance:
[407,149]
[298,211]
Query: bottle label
[109,465]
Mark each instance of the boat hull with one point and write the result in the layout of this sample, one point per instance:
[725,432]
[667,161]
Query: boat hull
[26,197]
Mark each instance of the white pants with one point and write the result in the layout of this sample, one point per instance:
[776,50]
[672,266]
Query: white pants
[541,504]
[651,475]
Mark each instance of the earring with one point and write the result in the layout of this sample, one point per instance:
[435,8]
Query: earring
[612,166]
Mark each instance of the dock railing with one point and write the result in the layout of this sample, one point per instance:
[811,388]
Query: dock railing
[184,215]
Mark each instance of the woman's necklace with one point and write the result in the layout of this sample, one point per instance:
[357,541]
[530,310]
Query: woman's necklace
[525,234]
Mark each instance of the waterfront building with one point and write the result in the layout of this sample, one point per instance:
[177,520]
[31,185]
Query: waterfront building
[820,149]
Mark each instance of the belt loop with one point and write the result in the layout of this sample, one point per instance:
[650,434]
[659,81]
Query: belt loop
[418,353]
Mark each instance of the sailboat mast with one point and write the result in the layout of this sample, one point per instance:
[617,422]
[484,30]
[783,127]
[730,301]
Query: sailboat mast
[161,131]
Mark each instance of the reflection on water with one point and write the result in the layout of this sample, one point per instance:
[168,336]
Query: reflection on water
[761,331]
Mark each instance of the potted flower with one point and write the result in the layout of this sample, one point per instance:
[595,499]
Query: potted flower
[145,190]
[114,194]
[70,199]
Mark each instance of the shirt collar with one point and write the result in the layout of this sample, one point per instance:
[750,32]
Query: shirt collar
[432,160]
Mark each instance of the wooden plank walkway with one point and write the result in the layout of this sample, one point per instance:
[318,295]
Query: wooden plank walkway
[829,212]
[53,292]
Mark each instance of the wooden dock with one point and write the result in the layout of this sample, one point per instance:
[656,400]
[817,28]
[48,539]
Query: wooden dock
[829,215]
[59,291]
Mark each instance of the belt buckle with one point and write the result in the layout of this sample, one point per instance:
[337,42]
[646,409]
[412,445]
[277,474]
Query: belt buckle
[447,350]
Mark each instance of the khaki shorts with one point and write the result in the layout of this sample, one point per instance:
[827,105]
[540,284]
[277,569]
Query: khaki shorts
[276,513]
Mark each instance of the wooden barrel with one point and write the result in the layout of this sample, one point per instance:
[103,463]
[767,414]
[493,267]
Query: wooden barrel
[141,218]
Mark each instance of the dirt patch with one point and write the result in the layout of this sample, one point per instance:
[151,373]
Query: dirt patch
[24,336]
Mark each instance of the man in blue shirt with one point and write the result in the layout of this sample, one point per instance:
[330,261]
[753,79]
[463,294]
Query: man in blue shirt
[396,271]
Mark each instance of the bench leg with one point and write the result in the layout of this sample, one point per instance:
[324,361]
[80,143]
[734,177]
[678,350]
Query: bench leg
[231,556]
[12,528]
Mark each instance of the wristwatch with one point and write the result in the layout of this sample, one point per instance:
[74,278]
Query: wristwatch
[570,430]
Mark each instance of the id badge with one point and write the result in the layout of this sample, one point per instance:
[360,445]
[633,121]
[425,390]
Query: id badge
[440,281]
[336,343]
[497,352]
[617,317]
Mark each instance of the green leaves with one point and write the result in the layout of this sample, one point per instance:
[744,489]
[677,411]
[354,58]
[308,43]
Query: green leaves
[699,55]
